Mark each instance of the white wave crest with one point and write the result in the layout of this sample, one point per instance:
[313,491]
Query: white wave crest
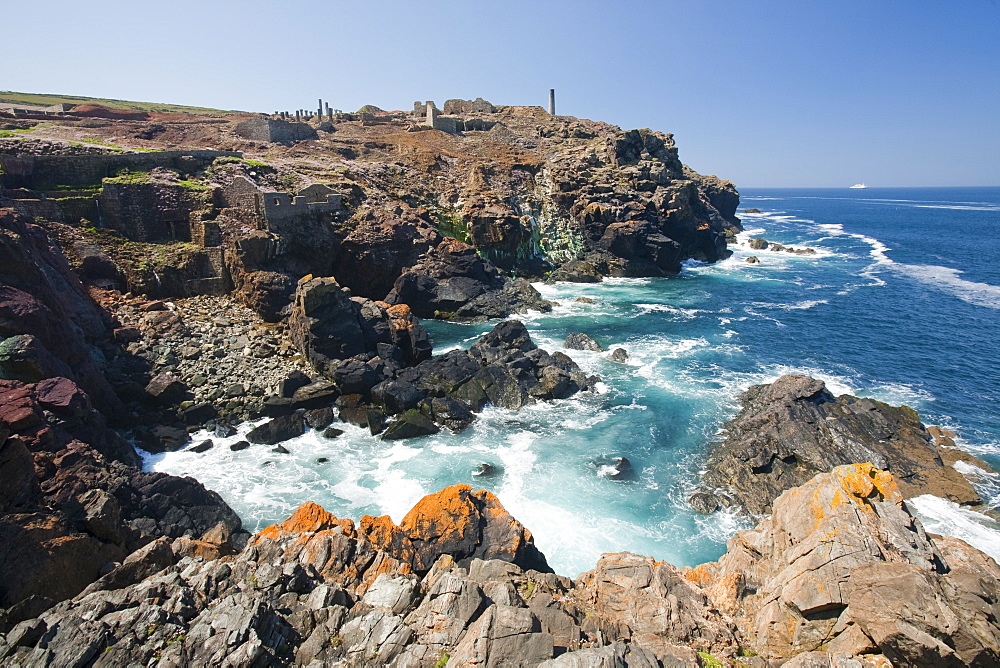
[947,517]
[950,280]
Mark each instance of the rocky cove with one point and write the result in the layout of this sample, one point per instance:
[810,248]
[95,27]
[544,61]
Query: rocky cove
[200,297]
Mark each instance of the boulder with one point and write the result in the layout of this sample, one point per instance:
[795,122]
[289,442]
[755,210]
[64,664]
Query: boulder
[410,424]
[278,429]
[453,281]
[580,341]
[166,389]
[328,325]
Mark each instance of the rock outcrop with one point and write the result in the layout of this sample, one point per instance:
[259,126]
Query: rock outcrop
[452,281]
[49,325]
[382,377]
[841,567]
[794,428]
[840,575]
[329,326]
[71,508]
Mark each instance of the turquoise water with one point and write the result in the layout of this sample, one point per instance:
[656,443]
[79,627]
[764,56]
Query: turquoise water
[901,302]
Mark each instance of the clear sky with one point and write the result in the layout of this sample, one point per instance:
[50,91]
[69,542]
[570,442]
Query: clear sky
[764,93]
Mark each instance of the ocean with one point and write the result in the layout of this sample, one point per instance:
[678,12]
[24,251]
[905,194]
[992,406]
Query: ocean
[900,301]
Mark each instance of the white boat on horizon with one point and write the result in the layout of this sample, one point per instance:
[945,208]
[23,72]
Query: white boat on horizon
[859,186]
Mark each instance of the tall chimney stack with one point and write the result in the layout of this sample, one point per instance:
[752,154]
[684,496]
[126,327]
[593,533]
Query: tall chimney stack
[552,101]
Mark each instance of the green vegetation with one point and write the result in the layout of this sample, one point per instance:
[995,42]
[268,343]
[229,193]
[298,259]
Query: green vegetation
[16,133]
[254,163]
[126,176]
[709,661]
[369,109]
[193,185]
[527,589]
[453,225]
[45,99]
[62,187]
[442,660]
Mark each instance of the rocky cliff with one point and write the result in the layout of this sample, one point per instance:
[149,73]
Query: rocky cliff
[369,202]
[839,575]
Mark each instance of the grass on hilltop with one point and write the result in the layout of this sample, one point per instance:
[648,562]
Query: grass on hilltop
[45,99]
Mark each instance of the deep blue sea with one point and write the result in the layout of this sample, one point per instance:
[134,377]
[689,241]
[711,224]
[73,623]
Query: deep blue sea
[900,302]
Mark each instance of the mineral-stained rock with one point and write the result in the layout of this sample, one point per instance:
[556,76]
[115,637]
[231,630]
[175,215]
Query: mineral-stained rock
[318,589]
[794,428]
[639,597]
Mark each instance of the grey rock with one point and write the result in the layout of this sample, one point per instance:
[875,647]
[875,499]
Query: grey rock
[580,341]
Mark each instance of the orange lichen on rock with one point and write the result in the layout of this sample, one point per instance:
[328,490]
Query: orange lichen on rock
[400,315]
[443,516]
[307,518]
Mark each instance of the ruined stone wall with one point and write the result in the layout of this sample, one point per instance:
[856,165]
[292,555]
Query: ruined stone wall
[264,129]
[150,211]
[32,171]
[69,210]
[280,208]
[477,106]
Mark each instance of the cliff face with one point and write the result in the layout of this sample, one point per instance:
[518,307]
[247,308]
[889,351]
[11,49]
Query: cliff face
[841,574]
[364,201]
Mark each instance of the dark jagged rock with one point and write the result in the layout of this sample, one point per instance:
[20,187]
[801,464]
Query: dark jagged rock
[291,383]
[328,325]
[453,281]
[614,468]
[204,446]
[278,429]
[383,245]
[51,325]
[68,511]
[198,414]
[166,389]
[792,429]
[410,424]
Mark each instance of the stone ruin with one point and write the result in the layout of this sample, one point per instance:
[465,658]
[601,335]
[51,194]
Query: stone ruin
[270,130]
[453,122]
[318,202]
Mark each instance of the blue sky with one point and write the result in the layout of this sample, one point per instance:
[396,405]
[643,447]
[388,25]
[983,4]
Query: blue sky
[766,93]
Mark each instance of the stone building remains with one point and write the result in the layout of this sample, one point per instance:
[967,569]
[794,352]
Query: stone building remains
[456,118]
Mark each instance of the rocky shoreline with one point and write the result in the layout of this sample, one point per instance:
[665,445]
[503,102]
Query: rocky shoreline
[460,583]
